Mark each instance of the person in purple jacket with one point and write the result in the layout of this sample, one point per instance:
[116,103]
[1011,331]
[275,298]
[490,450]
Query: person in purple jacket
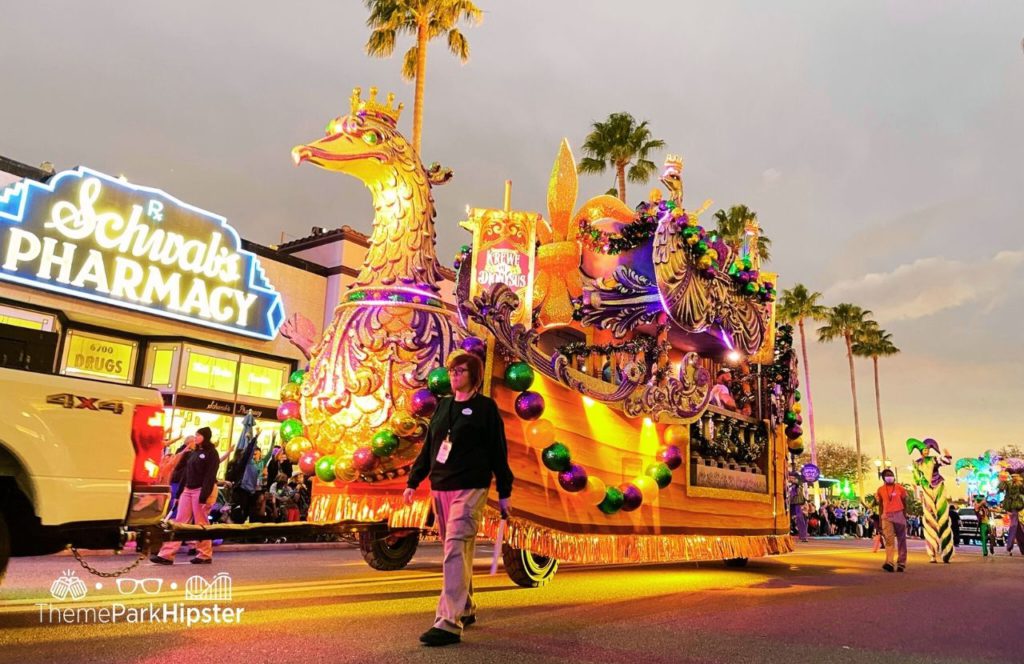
[196,477]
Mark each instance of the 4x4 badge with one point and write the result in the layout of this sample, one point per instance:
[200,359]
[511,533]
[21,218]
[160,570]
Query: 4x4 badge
[67,400]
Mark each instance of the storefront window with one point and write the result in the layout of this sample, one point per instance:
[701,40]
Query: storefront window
[207,372]
[184,422]
[32,320]
[261,381]
[97,356]
[163,360]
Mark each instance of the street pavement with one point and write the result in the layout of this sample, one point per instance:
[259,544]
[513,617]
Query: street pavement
[828,601]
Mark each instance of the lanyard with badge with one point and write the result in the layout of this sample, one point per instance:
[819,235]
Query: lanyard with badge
[446,445]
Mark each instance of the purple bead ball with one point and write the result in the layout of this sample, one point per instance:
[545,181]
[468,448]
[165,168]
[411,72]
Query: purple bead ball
[476,346]
[671,456]
[364,459]
[423,403]
[631,497]
[793,431]
[574,479]
[529,405]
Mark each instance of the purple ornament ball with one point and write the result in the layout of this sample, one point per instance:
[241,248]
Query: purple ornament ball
[574,479]
[423,403]
[529,405]
[671,456]
[476,346]
[364,459]
[289,410]
[632,498]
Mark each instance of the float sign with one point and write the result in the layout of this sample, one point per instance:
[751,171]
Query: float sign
[90,235]
[503,253]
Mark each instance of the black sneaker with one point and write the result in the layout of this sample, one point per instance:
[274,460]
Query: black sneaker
[201,561]
[888,567]
[468,620]
[160,561]
[901,568]
[434,637]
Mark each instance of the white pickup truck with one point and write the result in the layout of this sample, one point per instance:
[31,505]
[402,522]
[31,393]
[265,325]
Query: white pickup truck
[78,463]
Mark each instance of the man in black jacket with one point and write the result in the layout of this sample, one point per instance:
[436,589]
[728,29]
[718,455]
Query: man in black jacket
[196,476]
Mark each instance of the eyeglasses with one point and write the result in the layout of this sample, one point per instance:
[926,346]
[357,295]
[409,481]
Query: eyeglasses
[458,371]
[148,586]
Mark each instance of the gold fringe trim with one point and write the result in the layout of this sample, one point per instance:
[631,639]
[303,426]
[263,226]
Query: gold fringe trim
[608,549]
[333,507]
[543,541]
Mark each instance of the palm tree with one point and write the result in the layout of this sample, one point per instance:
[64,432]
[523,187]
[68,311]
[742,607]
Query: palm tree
[427,20]
[875,342]
[732,226]
[847,321]
[796,305]
[619,142]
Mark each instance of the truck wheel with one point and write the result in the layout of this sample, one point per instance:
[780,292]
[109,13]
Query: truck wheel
[388,553]
[5,545]
[735,562]
[527,569]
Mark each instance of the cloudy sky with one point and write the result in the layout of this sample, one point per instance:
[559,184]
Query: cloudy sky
[881,144]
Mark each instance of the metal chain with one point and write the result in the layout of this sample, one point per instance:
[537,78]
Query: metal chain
[108,575]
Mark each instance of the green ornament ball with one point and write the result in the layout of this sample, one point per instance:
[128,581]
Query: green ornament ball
[290,429]
[519,376]
[384,443]
[789,417]
[660,473]
[439,383]
[613,500]
[556,457]
[796,395]
[702,247]
[297,376]
[750,288]
[325,468]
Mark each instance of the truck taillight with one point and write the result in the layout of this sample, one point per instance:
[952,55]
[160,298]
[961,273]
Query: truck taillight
[148,441]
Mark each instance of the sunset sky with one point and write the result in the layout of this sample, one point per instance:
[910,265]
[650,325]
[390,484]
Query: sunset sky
[881,144]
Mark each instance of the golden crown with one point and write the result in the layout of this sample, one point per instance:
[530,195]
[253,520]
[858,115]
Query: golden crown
[675,161]
[387,111]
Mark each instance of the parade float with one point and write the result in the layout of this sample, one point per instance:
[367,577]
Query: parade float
[648,402]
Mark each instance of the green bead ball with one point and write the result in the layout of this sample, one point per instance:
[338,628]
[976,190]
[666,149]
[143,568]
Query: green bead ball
[556,457]
[290,429]
[519,376]
[660,473]
[297,376]
[789,417]
[613,500]
[325,468]
[439,383]
[384,443]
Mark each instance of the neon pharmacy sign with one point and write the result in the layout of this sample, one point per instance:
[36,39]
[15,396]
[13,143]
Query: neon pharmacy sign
[90,235]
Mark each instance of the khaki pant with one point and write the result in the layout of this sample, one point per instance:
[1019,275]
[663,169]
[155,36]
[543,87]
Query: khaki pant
[458,515]
[895,535]
[190,510]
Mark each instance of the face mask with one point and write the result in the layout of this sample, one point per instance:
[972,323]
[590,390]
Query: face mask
[890,480]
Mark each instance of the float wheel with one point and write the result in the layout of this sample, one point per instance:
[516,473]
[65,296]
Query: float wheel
[386,552]
[527,569]
[735,562]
